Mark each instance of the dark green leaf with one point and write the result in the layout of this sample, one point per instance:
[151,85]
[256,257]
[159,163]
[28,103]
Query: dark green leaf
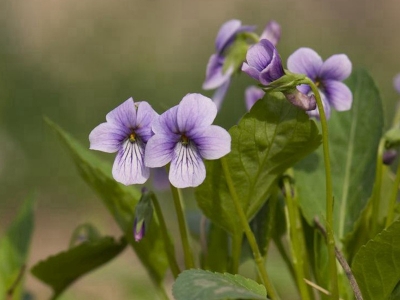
[120,201]
[353,137]
[62,269]
[205,285]
[267,141]
[377,265]
[14,248]
[216,259]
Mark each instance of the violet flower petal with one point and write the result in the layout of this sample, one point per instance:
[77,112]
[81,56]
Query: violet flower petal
[123,115]
[305,61]
[166,123]
[325,104]
[336,67]
[339,95]
[252,72]
[215,76]
[107,137]
[160,150]
[187,168]
[129,165]
[226,33]
[272,32]
[260,55]
[252,95]
[220,93]
[160,179]
[273,71]
[145,116]
[396,83]
[213,142]
[195,111]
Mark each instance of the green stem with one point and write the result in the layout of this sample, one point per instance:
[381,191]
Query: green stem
[393,198]
[169,248]
[376,194]
[236,252]
[296,234]
[176,194]
[329,193]
[249,234]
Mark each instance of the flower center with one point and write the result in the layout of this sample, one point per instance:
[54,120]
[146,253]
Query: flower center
[132,137]
[184,140]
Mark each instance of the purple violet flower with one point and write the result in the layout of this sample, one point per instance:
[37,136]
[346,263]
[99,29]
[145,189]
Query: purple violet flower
[263,63]
[396,83]
[183,135]
[216,78]
[127,130]
[326,75]
[252,95]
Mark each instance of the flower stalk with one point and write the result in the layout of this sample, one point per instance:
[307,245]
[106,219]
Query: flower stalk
[249,234]
[187,250]
[329,193]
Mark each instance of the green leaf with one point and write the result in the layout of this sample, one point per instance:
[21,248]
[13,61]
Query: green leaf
[216,258]
[392,137]
[267,141]
[353,139]
[61,270]
[84,232]
[376,266]
[205,285]
[120,201]
[14,248]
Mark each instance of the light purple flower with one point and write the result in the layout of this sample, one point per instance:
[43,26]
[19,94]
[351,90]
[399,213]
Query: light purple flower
[396,83]
[328,76]
[127,130]
[184,136]
[272,32]
[252,95]
[216,78]
[160,179]
[263,63]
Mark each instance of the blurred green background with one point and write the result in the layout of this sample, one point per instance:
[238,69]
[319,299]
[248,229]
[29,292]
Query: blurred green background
[75,60]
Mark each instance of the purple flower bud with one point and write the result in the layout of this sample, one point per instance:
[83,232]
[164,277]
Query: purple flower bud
[252,95]
[396,83]
[389,156]
[263,63]
[138,230]
[301,100]
[272,32]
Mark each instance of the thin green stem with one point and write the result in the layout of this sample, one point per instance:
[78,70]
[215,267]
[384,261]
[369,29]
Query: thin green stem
[376,194]
[296,234]
[249,234]
[393,198]
[169,248]
[236,252]
[187,251]
[329,193]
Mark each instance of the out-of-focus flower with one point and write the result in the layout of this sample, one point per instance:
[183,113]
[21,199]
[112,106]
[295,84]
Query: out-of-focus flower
[263,63]
[160,179]
[127,130]
[252,95]
[143,215]
[396,83]
[389,156]
[184,136]
[217,76]
[272,32]
[328,77]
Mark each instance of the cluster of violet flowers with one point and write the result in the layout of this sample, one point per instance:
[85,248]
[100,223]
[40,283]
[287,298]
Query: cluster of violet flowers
[184,135]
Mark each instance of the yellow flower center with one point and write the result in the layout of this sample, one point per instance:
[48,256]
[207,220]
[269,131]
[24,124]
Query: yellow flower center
[132,137]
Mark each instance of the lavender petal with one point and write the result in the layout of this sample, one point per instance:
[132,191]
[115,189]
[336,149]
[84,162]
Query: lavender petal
[252,95]
[252,72]
[305,61]
[107,137]
[195,111]
[129,165]
[166,123]
[145,117]
[215,76]
[226,33]
[327,109]
[338,95]
[213,143]
[187,168]
[220,93]
[336,67]
[273,71]
[160,150]
[396,83]
[123,115]
[272,32]
[160,179]
[260,55]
